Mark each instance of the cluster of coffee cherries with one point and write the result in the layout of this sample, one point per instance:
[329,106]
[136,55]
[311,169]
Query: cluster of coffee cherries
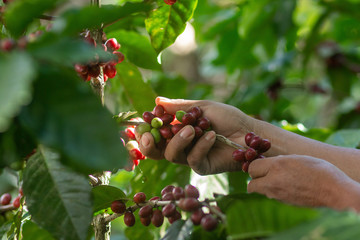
[9,44]
[256,147]
[5,199]
[163,126]
[93,68]
[170,2]
[173,200]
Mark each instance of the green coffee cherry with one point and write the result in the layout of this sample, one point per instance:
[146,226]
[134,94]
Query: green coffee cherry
[156,134]
[143,128]
[179,115]
[156,122]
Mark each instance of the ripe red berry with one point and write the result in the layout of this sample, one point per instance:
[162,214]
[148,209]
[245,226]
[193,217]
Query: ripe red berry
[118,206]
[110,70]
[189,204]
[198,132]
[169,2]
[130,133]
[178,193]
[239,155]
[208,222]
[169,210]
[174,218]
[145,221]
[154,198]
[167,118]
[196,111]
[145,211]
[135,154]
[191,191]
[245,166]
[90,40]
[112,44]
[5,199]
[81,69]
[94,70]
[167,189]
[196,216]
[158,111]
[7,45]
[188,119]
[169,196]
[157,218]
[166,132]
[129,219]
[120,57]
[264,146]
[148,117]
[255,142]
[249,137]
[176,128]
[16,202]
[139,197]
[203,123]
[250,154]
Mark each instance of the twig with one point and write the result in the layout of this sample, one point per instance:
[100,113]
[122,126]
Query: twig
[129,123]
[228,142]
[6,208]
[47,17]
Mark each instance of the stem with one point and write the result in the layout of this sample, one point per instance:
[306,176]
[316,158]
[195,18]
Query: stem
[6,208]
[228,142]
[47,17]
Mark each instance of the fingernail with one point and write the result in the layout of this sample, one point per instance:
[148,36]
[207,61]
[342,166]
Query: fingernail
[186,132]
[163,99]
[210,135]
[145,141]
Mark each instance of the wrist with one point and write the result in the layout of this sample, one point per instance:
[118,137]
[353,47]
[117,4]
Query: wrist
[349,196]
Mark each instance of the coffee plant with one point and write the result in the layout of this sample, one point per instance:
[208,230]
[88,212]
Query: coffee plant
[78,81]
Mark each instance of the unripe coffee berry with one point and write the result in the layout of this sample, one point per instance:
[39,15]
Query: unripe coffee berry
[130,145]
[143,128]
[139,197]
[156,122]
[5,199]
[157,218]
[118,206]
[156,134]
[129,219]
[179,115]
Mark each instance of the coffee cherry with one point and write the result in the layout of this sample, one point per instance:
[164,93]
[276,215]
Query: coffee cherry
[175,217]
[196,216]
[178,193]
[264,146]
[145,211]
[166,132]
[255,142]
[110,70]
[148,117]
[7,45]
[167,118]
[250,154]
[169,196]
[154,198]
[169,2]
[169,210]
[135,154]
[145,221]
[130,133]
[130,145]
[196,112]
[143,128]
[81,69]
[112,44]
[176,128]
[94,71]
[239,155]
[179,115]
[120,57]
[139,197]
[159,111]
[5,199]
[189,204]
[21,192]
[156,122]
[157,218]
[249,137]
[191,191]
[16,202]
[156,134]
[245,166]
[188,119]
[129,219]
[203,123]
[208,222]
[118,206]
[167,189]
[198,132]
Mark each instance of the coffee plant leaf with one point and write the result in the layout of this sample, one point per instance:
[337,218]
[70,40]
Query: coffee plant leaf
[104,195]
[167,22]
[179,230]
[56,195]
[345,138]
[31,230]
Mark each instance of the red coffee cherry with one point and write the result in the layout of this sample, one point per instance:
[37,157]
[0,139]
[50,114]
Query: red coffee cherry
[169,196]
[145,221]
[145,211]
[120,57]
[239,155]
[203,123]
[7,45]
[264,146]
[174,218]
[166,132]
[16,202]
[129,219]
[158,111]
[135,154]
[139,197]
[167,118]
[176,128]
[208,222]
[196,216]
[154,198]
[167,189]
[130,133]
[178,193]
[245,166]
[148,117]
[169,2]
[110,70]
[191,191]
[249,137]
[255,142]
[157,218]
[198,132]
[189,204]
[196,111]
[188,119]
[5,199]
[118,206]
[169,210]
[94,71]
[82,69]
[112,44]
[250,154]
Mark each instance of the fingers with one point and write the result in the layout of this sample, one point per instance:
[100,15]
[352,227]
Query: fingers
[175,150]
[173,105]
[148,147]
[259,167]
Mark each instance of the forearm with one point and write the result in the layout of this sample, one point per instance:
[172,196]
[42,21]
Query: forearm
[285,143]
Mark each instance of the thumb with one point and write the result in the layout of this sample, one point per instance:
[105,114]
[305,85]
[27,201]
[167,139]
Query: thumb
[173,105]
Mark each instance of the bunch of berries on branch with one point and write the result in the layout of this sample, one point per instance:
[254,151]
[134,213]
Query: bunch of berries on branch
[172,202]
[93,69]
[6,198]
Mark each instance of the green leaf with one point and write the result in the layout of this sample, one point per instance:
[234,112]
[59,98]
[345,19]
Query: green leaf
[139,93]
[345,138]
[238,182]
[79,19]
[58,199]
[32,231]
[137,49]
[105,195]
[167,22]
[67,116]
[255,216]
[17,73]
[20,14]
[179,230]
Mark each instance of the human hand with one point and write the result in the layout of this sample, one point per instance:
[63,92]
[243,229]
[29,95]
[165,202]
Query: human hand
[206,156]
[303,180]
